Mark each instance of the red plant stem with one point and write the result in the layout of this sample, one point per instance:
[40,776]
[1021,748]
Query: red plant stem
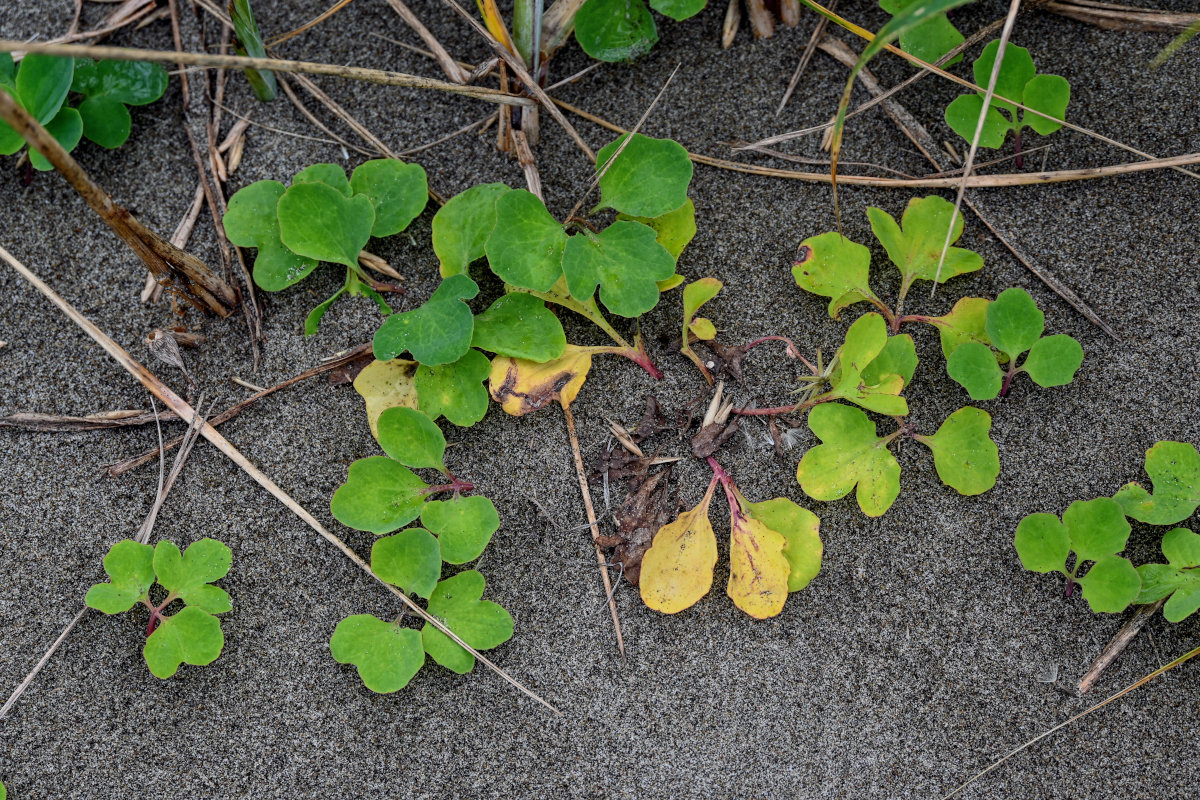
[456,485]
[770,412]
[727,484]
[1017,150]
[156,614]
[792,350]
[636,354]
[1008,379]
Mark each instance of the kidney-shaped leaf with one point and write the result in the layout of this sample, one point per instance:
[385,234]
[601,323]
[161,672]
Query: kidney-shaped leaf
[525,247]
[1174,470]
[318,221]
[192,637]
[851,454]
[379,495]
[387,656]
[130,569]
[964,454]
[480,623]
[464,526]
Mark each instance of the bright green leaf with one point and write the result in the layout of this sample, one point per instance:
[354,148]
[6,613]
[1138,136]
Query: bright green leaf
[409,559]
[412,438]
[480,623]
[648,179]
[384,385]
[250,221]
[397,191]
[675,229]
[1016,70]
[929,40]
[915,245]
[519,325]
[67,129]
[190,575]
[973,366]
[464,526]
[615,30]
[318,221]
[1180,577]
[192,637]
[962,115]
[379,495]
[964,454]
[898,357]
[1174,470]
[1111,585]
[1097,528]
[678,10]
[130,569]
[525,248]
[1049,94]
[865,340]
[965,323]
[455,390]
[1014,322]
[329,174]
[850,454]
[832,266]
[387,656]
[462,226]
[625,260]
[439,332]
[800,528]
[1042,543]
[1053,360]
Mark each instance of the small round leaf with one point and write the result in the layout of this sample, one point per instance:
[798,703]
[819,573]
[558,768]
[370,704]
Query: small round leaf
[649,178]
[387,656]
[1111,585]
[409,559]
[192,637]
[1014,322]
[1053,360]
[1042,543]
[379,495]
[973,366]
[519,325]
[464,526]
[412,438]
[615,30]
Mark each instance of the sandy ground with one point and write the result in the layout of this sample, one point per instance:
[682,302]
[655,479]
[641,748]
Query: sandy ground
[912,661]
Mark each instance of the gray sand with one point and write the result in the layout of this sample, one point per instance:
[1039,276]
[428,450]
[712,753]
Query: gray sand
[911,661]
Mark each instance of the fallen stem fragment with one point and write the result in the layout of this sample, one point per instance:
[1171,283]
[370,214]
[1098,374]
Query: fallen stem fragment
[1141,615]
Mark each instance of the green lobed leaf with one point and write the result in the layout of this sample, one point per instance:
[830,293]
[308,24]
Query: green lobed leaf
[865,341]
[67,128]
[1049,94]
[192,637]
[525,248]
[1042,543]
[387,656]
[1110,585]
[1014,322]
[1053,360]
[42,84]
[800,528]
[480,623]
[964,454]
[520,326]
[675,229]
[439,332]
[250,221]
[615,30]
[130,569]
[648,179]
[1097,528]
[915,245]
[625,260]
[898,357]
[973,366]
[966,322]
[410,559]
[851,454]
[318,221]
[1016,70]
[105,121]
[929,40]
[329,174]
[190,575]
[379,495]
[455,390]
[464,526]
[134,83]
[832,266]
[962,115]
[412,438]
[461,227]
[397,191]
[678,10]
[1180,577]
[1174,470]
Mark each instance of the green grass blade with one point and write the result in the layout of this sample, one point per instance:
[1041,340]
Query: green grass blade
[248,42]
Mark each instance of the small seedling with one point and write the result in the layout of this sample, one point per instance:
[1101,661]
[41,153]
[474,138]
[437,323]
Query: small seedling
[1014,326]
[323,216]
[1018,82]
[928,40]
[192,635]
[696,294]
[1179,577]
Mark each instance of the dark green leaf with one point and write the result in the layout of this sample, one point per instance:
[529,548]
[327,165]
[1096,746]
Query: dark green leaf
[42,84]
[134,83]
[329,174]
[105,121]
[455,390]
[615,30]
[409,559]
[675,228]
[439,332]
[973,366]
[398,192]
[678,10]
[67,128]
[462,226]
[525,248]
[519,325]
[625,260]
[379,495]
[648,179]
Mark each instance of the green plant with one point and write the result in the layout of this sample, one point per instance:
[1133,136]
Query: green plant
[382,495]
[323,216]
[1018,82]
[1014,325]
[247,41]
[1096,530]
[622,30]
[928,40]
[192,635]
[42,84]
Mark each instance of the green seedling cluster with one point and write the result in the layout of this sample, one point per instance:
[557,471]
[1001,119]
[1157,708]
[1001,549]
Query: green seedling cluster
[1097,530]
[1018,82]
[325,216]
[382,495]
[42,85]
[191,635]
[622,30]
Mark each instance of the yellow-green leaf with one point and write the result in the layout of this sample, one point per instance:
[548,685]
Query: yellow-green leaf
[677,570]
[384,385]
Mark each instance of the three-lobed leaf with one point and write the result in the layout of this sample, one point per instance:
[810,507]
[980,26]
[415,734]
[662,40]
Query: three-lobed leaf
[915,244]
[130,569]
[851,454]
[439,332]
[525,246]
[190,575]
[454,390]
[625,260]
[192,636]
[379,495]
[964,454]
[482,624]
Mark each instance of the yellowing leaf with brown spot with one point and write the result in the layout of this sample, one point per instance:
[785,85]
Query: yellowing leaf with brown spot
[758,569]
[521,387]
[384,385]
[677,570]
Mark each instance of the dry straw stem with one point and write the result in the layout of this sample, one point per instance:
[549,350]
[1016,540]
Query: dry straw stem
[182,409]
[1013,7]
[379,76]
[593,525]
[453,71]
[925,143]
[1122,18]
[1141,615]
[168,263]
[1177,662]
[868,36]
[809,49]
[317,20]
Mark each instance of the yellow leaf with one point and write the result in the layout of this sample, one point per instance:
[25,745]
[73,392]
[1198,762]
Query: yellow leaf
[703,328]
[384,385]
[799,527]
[521,387]
[670,283]
[677,570]
[758,569]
